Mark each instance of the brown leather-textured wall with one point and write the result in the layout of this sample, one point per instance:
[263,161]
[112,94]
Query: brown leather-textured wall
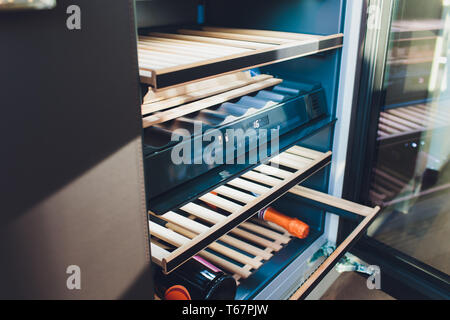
[71,176]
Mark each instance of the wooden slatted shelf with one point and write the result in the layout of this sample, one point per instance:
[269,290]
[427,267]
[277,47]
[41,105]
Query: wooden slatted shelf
[387,185]
[170,59]
[394,123]
[243,84]
[406,124]
[365,215]
[198,224]
[242,257]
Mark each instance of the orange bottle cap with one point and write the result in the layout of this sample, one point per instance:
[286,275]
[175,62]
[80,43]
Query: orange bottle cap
[177,292]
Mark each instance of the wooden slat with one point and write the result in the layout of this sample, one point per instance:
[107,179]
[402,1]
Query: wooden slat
[335,255]
[203,213]
[387,183]
[420,116]
[331,200]
[180,237]
[270,225]
[153,65]
[155,96]
[273,245]
[245,246]
[232,207]
[242,272]
[220,202]
[234,194]
[153,62]
[214,217]
[167,235]
[382,134]
[377,196]
[157,242]
[225,264]
[264,33]
[445,111]
[219,248]
[384,175]
[394,125]
[150,44]
[262,178]
[402,121]
[158,253]
[305,152]
[235,36]
[273,171]
[290,45]
[248,185]
[313,195]
[383,190]
[427,113]
[198,228]
[160,47]
[388,129]
[236,46]
[174,58]
[200,94]
[176,218]
[430,114]
[287,162]
[439,111]
[295,158]
[192,45]
[395,173]
[423,109]
[146,76]
[207,102]
[400,114]
[238,216]
[211,41]
[266,232]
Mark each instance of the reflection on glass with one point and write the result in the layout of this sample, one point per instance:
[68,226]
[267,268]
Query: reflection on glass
[411,174]
[26,4]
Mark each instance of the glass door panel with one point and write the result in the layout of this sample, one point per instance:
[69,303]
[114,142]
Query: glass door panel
[410,176]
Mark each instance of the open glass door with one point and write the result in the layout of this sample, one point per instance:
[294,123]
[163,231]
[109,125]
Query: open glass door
[401,142]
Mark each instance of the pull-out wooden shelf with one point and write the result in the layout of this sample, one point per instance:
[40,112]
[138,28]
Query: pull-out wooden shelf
[262,240]
[241,258]
[248,245]
[364,214]
[196,225]
[169,59]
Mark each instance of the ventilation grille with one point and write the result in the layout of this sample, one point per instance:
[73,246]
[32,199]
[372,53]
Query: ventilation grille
[315,107]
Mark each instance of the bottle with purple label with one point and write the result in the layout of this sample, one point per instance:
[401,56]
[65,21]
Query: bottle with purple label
[197,279]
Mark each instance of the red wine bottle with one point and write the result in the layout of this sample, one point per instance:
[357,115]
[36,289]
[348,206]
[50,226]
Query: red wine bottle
[196,279]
